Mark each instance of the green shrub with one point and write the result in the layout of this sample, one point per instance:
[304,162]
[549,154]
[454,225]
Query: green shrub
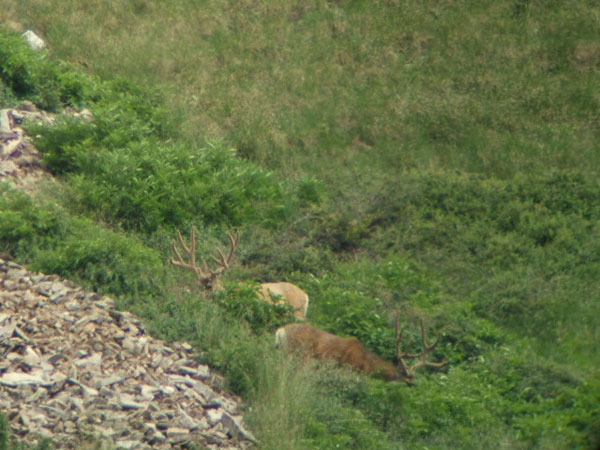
[24,225]
[310,190]
[7,98]
[507,239]
[28,74]
[117,170]
[105,261]
[148,185]
[242,303]
[54,242]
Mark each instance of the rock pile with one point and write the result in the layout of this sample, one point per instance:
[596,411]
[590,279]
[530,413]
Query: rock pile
[74,366]
[19,159]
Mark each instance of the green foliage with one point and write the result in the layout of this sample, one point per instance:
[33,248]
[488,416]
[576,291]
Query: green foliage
[228,344]
[4,433]
[310,190]
[241,302]
[511,241]
[77,248]
[64,143]
[106,261]
[26,74]
[23,224]
[336,422]
[121,166]
[148,185]
[7,97]
[29,75]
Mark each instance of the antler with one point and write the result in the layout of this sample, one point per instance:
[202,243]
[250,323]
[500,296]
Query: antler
[223,262]
[206,275]
[427,349]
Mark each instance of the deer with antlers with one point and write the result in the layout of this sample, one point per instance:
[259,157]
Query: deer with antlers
[321,345]
[273,292]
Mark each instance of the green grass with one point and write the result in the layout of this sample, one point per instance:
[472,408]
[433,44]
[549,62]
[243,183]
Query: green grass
[492,87]
[436,158]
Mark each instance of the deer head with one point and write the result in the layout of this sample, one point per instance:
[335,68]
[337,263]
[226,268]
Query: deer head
[208,277]
[405,372]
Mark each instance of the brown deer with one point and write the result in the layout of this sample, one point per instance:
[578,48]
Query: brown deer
[322,345]
[209,279]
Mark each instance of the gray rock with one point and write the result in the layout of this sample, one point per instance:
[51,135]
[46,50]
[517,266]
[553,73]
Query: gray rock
[17,379]
[33,40]
[235,428]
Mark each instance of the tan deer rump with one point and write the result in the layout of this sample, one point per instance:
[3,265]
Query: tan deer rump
[290,293]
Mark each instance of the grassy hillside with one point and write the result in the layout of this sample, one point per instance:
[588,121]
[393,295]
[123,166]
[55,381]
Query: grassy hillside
[436,158]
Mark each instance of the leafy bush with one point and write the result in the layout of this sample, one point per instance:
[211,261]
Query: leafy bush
[28,74]
[77,248]
[310,190]
[105,261]
[7,98]
[242,303]
[362,298]
[508,239]
[148,185]
[24,225]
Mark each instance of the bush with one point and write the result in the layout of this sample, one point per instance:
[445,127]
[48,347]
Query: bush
[241,302]
[76,248]
[362,299]
[121,168]
[28,74]
[148,185]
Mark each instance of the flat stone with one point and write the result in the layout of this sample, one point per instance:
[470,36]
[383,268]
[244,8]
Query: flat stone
[214,416]
[235,428]
[128,402]
[17,379]
[175,432]
[127,445]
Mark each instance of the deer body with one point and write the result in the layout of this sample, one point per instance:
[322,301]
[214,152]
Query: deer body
[289,293]
[322,345]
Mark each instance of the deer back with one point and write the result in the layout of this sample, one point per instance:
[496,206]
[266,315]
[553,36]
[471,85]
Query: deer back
[321,345]
[290,293]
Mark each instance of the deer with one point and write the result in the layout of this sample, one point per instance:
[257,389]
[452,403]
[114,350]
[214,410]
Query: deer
[322,345]
[280,292]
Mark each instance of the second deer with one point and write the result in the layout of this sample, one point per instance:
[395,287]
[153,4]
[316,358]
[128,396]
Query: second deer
[321,345]
[209,278]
